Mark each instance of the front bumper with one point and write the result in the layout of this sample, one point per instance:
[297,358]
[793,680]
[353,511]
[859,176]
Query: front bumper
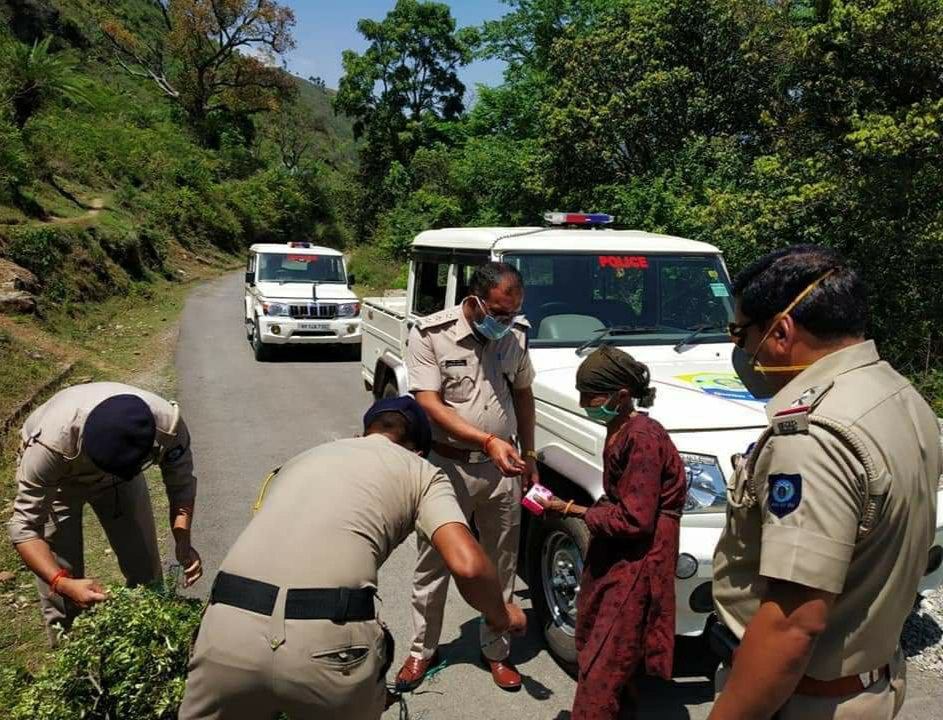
[693,599]
[278,330]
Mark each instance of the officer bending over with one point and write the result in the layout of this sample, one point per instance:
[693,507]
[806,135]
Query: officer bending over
[292,625]
[88,444]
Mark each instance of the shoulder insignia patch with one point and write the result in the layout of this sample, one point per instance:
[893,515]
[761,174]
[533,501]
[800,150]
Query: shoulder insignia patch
[174,454]
[791,421]
[785,493]
[436,319]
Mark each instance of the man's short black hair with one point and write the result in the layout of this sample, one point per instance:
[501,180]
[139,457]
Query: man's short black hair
[393,423]
[490,275]
[836,308]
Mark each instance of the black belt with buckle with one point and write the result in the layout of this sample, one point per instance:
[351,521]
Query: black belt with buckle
[337,604]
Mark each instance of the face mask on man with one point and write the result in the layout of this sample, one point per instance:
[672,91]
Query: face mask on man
[602,413]
[489,328]
[753,374]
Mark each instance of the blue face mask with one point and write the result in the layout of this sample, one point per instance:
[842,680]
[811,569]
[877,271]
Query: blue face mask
[602,413]
[489,328]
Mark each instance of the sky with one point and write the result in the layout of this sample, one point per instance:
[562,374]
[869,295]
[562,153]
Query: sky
[325,28]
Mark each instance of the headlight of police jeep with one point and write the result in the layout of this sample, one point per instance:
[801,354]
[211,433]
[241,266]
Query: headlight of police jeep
[707,491]
[348,310]
[274,308]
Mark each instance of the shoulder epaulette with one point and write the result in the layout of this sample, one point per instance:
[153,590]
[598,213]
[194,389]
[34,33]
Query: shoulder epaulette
[442,317]
[791,421]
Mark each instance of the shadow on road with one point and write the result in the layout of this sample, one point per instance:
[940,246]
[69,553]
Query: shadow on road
[313,354]
[693,683]
[663,700]
[465,650]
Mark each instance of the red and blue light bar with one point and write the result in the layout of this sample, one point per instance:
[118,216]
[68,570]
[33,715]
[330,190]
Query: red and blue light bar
[562,218]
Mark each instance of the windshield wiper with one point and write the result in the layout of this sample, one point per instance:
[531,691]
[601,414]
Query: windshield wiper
[698,329]
[615,330]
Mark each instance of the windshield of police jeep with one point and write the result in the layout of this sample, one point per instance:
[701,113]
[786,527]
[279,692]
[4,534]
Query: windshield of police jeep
[300,268]
[640,299]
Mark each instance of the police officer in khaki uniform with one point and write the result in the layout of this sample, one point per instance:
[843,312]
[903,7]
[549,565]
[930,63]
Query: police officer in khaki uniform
[292,625]
[89,444]
[831,513]
[470,369]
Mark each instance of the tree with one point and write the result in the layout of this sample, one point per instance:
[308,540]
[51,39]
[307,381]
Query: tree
[317,81]
[401,89]
[213,58]
[295,130]
[409,71]
[30,76]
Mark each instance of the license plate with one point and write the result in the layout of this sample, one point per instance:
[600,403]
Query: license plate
[313,326]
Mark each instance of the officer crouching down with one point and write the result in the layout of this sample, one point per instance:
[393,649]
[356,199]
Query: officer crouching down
[292,625]
[831,514]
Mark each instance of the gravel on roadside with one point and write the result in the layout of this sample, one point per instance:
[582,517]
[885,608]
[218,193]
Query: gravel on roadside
[922,637]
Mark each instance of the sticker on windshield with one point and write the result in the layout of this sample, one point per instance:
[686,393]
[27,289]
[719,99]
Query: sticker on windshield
[302,258]
[624,262]
[719,290]
[725,385]
[713,274]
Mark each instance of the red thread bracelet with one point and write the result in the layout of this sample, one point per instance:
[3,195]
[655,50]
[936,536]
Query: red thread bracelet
[57,577]
[484,445]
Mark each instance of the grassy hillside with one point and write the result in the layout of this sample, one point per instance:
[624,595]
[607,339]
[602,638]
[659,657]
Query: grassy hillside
[105,184]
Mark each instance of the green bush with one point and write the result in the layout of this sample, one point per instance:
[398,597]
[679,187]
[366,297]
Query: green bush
[421,210]
[376,270]
[195,219]
[126,658]
[278,206]
[14,160]
[39,249]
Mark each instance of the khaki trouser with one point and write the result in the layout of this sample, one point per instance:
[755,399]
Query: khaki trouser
[495,501]
[880,701]
[125,513]
[250,666]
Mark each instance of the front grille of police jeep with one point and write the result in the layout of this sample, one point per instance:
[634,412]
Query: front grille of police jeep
[313,311]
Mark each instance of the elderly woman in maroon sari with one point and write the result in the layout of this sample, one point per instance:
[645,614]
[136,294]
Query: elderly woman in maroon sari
[626,605]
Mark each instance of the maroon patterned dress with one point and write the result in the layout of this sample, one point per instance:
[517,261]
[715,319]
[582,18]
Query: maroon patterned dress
[626,605]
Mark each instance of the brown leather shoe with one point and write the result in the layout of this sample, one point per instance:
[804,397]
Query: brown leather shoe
[411,675]
[504,674]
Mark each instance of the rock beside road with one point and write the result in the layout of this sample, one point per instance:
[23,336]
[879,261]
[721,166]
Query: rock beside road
[17,285]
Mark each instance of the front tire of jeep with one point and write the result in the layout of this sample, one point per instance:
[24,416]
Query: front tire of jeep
[555,551]
[260,350]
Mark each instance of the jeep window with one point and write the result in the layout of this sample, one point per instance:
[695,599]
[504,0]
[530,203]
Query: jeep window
[300,268]
[655,299]
[465,268]
[432,277]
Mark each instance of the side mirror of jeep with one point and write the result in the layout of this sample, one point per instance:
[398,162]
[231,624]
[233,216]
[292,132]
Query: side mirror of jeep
[351,280]
[250,278]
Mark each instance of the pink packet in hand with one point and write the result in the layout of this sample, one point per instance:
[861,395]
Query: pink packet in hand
[530,499]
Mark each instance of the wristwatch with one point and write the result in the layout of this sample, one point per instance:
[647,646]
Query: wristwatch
[530,454]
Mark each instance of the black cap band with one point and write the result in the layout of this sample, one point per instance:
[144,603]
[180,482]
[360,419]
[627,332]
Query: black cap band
[418,422]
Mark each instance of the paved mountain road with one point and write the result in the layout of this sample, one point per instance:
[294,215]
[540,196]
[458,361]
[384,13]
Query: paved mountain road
[247,418]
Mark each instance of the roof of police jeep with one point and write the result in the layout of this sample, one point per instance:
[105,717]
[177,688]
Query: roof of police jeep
[503,239]
[287,249]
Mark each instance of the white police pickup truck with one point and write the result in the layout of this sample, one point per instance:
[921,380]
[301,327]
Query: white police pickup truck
[667,301]
[299,294]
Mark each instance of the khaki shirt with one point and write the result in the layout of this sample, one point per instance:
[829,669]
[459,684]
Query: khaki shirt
[474,377]
[332,515]
[53,463]
[807,488]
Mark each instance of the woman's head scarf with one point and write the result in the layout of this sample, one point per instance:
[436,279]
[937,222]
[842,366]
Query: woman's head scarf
[609,369]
